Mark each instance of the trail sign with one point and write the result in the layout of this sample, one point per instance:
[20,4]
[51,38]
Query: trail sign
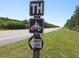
[36,8]
[36,26]
[36,43]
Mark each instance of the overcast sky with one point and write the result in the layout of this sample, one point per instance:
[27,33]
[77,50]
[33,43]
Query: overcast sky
[56,11]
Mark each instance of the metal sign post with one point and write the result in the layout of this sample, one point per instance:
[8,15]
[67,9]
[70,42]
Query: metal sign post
[36,26]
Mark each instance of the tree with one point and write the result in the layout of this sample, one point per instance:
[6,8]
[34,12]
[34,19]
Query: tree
[25,21]
[6,23]
[73,22]
[48,25]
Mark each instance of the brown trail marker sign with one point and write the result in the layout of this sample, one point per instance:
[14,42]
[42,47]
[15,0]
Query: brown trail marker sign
[36,26]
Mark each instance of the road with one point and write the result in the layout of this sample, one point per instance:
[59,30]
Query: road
[8,37]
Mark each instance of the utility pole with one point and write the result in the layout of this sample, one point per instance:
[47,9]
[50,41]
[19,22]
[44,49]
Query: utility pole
[36,26]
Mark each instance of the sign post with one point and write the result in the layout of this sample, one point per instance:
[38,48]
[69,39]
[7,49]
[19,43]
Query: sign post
[36,44]
[36,26]
[36,52]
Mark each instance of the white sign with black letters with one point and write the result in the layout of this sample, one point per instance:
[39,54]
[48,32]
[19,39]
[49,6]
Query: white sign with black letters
[36,43]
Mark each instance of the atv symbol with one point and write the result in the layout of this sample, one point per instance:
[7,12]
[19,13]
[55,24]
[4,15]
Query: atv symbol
[36,27]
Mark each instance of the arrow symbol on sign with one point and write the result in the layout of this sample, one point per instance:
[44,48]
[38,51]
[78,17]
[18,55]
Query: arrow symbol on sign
[35,43]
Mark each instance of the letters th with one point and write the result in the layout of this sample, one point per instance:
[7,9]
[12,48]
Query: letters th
[36,8]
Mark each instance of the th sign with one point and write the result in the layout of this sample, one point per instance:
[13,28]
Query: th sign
[36,8]
[36,26]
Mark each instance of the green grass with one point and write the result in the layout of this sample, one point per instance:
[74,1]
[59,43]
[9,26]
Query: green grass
[11,29]
[60,43]
[5,30]
[16,50]
[2,30]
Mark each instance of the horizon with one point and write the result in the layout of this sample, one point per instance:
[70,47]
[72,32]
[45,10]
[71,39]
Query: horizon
[56,12]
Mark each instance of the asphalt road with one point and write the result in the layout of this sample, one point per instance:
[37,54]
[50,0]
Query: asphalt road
[11,36]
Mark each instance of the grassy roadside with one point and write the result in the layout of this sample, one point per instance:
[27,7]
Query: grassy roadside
[16,50]
[11,29]
[2,30]
[60,43]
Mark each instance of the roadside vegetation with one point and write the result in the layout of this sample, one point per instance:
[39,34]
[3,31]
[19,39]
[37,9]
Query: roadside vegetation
[6,23]
[73,22]
[62,43]
[16,50]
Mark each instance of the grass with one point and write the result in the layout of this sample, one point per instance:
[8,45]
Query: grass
[16,50]
[4,30]
[62,43]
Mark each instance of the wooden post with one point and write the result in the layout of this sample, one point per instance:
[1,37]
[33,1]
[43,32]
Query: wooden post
[36,53]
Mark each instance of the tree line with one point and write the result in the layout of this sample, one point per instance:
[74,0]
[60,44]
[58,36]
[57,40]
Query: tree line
[6,23]
[73,22]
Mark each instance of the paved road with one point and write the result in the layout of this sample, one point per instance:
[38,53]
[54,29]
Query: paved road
[7,37]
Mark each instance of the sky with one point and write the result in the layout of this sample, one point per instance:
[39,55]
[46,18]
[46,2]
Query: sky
[56,11]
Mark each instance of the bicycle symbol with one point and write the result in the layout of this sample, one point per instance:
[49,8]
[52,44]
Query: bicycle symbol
[36,27]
